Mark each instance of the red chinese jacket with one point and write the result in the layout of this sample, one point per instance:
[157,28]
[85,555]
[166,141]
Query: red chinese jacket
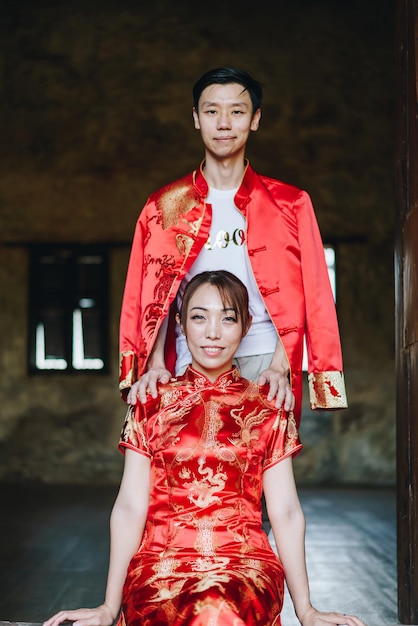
[286,254]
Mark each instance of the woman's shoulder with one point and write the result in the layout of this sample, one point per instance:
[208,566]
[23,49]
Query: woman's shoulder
[250,392]
[168,393]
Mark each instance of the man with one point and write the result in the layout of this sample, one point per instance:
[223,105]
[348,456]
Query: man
[226,216]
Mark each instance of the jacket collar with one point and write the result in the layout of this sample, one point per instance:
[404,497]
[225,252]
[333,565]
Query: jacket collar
[242,196]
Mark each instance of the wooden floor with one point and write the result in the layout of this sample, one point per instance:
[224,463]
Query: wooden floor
[54,551]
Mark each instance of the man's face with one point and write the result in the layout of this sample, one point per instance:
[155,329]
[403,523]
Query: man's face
[225,119]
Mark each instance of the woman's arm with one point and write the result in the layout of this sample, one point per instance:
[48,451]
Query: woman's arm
[288,524]
[127,523]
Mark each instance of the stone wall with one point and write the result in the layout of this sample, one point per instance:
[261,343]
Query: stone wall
[96,114]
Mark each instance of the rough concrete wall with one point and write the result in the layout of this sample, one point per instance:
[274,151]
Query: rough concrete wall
[96,113]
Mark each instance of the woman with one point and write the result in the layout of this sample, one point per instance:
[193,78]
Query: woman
[187,546]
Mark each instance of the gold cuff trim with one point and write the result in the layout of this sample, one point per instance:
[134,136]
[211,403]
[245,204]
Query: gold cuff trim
[327,390]
[127,369]
[125,384]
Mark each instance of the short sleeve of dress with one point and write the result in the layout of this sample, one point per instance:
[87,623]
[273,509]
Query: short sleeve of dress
[283,440]
[134,431]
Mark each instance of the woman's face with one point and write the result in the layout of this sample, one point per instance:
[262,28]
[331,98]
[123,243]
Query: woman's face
[213,332]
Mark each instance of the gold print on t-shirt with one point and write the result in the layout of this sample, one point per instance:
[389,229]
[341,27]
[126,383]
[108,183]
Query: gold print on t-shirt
[223,238]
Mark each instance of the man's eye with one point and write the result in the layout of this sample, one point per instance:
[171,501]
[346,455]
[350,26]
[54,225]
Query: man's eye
[238,112]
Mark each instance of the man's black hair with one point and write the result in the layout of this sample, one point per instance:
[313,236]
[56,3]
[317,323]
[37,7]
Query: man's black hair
[224,76]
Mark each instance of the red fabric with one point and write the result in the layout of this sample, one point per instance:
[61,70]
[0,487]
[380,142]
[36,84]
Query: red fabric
[204,558]
[286,253]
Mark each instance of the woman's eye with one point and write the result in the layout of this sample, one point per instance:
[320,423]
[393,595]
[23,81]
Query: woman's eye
[230,319]
[196,316]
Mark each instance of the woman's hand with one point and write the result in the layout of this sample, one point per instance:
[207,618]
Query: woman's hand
[148,383]
[100,616]
[312,617]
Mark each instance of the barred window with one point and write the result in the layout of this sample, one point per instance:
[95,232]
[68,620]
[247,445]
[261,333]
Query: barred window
[68,309]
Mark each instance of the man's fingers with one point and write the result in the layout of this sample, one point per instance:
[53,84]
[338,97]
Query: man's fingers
[289,400]
[147,384]
[154,377]
[261,380]
[142,390]
[280,389]
[131,397]
[133,393]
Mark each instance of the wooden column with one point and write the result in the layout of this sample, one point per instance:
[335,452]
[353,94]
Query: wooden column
[406,289]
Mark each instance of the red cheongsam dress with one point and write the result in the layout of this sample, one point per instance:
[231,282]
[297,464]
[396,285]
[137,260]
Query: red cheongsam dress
[204,559]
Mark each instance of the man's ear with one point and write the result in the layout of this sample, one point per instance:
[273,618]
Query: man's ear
[255,122]
[196,119]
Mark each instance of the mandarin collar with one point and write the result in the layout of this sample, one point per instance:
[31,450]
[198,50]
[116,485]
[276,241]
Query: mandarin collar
[199,380]
[242,196]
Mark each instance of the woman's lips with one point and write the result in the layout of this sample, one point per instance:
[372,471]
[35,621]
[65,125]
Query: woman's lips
[212,350]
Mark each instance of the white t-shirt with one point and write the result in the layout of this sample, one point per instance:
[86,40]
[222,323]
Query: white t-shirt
[226,249]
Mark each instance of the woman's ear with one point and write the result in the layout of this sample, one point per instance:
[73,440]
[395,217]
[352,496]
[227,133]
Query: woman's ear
[178,320]
[245,330]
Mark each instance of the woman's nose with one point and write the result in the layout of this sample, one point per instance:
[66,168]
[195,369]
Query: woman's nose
[213,330]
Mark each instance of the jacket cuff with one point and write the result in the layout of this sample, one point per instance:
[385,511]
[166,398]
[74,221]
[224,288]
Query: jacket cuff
[127,369]
[327,390]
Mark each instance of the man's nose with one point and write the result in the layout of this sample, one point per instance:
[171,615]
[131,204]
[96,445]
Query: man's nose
[224,120]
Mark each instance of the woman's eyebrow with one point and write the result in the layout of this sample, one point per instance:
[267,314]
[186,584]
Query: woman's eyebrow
[202,308]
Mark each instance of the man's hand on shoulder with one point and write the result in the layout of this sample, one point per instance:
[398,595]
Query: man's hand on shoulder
[148,384]
[280,389]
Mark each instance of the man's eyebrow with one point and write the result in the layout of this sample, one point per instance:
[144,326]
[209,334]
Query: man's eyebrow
[233,104]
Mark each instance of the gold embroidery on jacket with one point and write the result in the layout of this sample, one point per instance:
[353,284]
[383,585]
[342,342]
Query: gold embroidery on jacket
[184,242]
[176,200]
